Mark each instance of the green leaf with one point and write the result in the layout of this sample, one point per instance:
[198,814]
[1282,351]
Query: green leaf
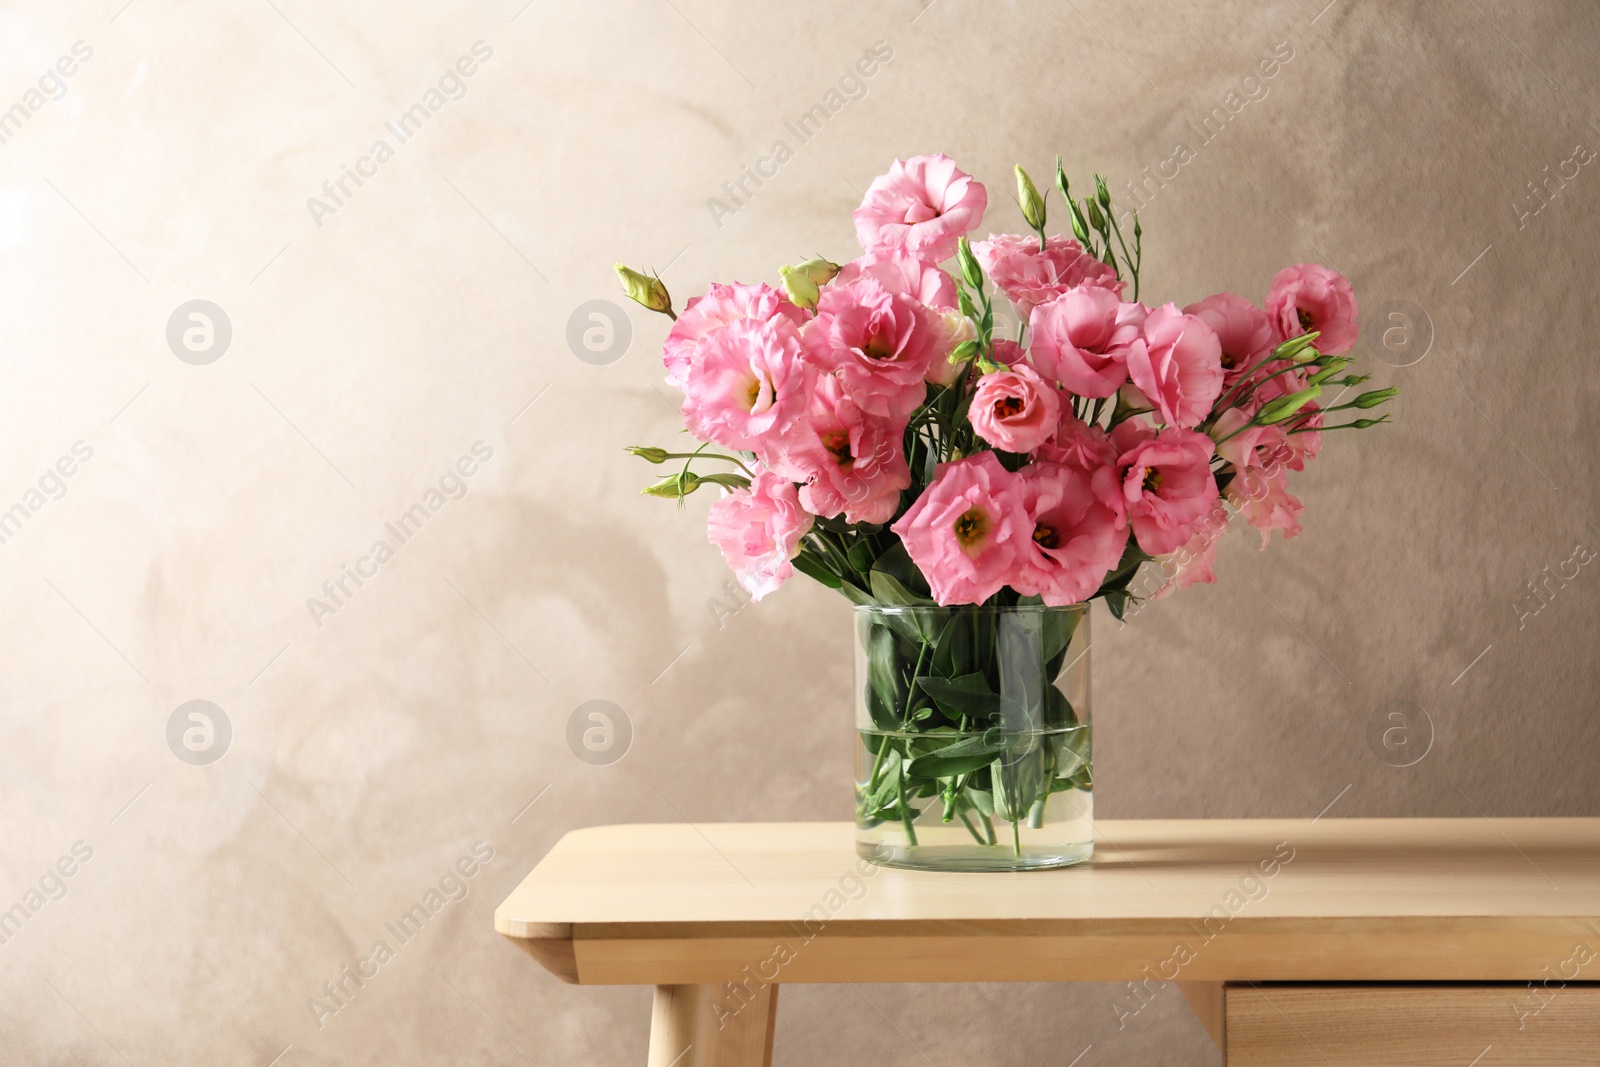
[968,694]
[860,555]
[960,757]
[884,692]
[812,567]
[896,563]
[888,590]
[952,654]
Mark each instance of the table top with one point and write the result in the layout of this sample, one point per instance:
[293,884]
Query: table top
[1231,899]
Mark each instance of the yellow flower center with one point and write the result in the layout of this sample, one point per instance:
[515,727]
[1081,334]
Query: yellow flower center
[1046,537]
[1305,318]
[1152,479]
[971,527]
[1008,407]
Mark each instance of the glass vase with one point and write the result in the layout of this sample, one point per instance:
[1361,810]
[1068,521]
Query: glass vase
[974,745]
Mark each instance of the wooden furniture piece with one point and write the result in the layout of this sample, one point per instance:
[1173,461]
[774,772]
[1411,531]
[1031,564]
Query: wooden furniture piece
[1331,941]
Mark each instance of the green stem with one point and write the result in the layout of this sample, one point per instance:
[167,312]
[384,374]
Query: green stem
[1016,837]
[988,828]
[911,688]
[973,830]
[709,455]
[905,809]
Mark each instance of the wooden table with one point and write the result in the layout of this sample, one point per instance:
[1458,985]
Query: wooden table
[1333,941]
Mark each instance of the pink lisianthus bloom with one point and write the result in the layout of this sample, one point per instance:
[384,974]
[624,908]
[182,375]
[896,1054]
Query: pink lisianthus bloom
[1015,410]
[1006,351]
[967,528]
[1243,330]
[882,345]
[1179,366]
[1195,561]
[1312,297]
[759,531]
[923,206]
[721,305]
[748,385]
[1030,277]
[1166,481]
[1251,447]
[903,275]
[1263,497]
[1078,534]
[850,461]
[1078,444]
[1082,339]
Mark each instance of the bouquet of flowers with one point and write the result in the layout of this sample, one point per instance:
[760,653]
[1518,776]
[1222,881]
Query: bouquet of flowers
[881,439]
[870,429]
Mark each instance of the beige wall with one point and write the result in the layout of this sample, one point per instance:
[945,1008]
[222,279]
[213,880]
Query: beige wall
[373,746]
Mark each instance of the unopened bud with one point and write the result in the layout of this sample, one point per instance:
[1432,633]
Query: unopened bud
[1376,397]
[1285,407]
[819,270]
[1298,348]
[1096,219]
[970,270]
[801,289]
[645,290]
[675,487]
[1101,193]
[649,454]
[1029,200]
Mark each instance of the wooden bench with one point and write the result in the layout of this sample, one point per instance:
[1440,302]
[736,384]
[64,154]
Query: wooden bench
[1333,941]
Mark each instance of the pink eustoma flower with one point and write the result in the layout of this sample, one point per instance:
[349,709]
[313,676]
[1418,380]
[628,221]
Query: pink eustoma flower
[903,275]
[1030,277]
[882,345]
[1195,561]
[1078,444]
[1082,339]
[923,206]
[1166,482]
[721,305]
[1312,297]
[1250,447]
[966,529]
[1078,532]
[850,460]
[1179,366]
[759,531]
[1263,497]
[1015,410]
[1243,331]
[748,384]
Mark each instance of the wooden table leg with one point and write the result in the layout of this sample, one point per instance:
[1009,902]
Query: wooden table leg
[712,1026]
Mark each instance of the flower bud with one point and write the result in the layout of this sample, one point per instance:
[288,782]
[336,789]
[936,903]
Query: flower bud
[1029,200]
[645,290]
[801,289]
[1101,193]
[1376,397]
[1096,219]
[648,453]
[969,264]
[1284,408]
[1362,424]
[1298,348]
[675,487]
[819,270]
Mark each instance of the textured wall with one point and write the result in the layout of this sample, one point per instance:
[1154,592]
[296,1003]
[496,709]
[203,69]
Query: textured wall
[378,338]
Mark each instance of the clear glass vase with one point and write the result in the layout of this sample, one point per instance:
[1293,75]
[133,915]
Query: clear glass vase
[974,737]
